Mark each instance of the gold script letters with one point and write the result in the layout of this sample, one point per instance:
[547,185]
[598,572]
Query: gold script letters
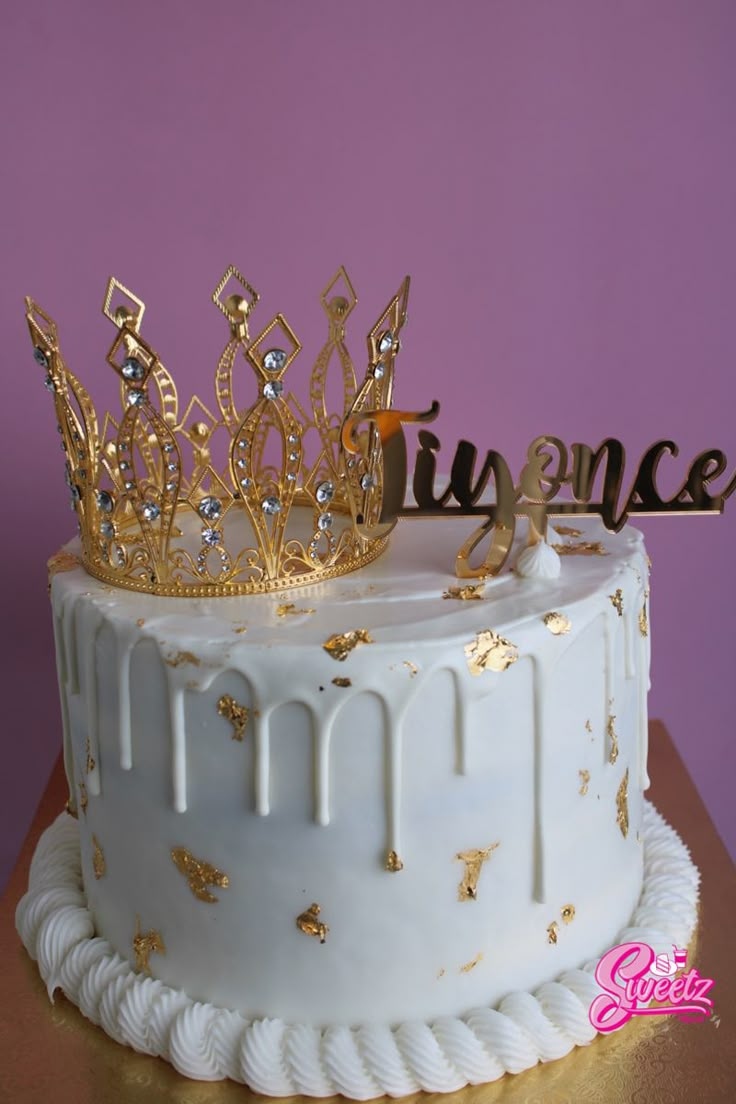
[549,468]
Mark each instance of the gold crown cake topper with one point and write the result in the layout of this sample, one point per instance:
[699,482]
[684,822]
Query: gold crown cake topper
[261,496]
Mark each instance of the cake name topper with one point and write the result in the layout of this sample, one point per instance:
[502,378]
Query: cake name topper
[550,467]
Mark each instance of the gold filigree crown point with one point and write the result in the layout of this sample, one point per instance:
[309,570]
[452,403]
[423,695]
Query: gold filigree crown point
[256,492]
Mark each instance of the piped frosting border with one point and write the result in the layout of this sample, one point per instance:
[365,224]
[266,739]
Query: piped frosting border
[207,1043]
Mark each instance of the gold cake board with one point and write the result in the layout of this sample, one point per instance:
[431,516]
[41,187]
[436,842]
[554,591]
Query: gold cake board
[51,1053]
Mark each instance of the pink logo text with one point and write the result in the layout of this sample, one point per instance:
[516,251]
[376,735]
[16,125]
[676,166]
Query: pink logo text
[622,974]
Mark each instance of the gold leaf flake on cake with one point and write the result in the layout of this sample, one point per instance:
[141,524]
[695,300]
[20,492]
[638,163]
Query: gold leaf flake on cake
[472,964]
[412,668]
[552,930]
[199,874]
[182,657]
[567,912]
[144,945]
[490,652]
[234,712]
[240,629]
[588,726]
[99,865]
[83,799]
[613,753]
[394,863]
[62,561]
[617,601]
[470,593]
[289,609]
[141,622]
[441,972]
[340,645]
[643,621]
[581,548]
[90,763]
[342,682]
[310,924]
[474,860]
[584,781]
[567,531]
[557,623]
[71,808]
[622,805]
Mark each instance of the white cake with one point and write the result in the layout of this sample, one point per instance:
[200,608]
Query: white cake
[460,795]
[369,834]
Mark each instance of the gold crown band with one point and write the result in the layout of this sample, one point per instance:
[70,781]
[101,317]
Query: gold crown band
[193,504]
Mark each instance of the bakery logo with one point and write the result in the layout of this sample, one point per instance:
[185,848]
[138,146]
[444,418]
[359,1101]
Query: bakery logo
[551,467]
[632,975]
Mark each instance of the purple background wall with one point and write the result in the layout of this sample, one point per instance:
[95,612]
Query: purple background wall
[560,180]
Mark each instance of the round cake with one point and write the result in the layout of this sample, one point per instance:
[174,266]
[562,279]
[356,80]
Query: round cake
[324,833]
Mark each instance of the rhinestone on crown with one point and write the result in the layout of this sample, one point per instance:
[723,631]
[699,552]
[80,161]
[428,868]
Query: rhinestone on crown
[274,360]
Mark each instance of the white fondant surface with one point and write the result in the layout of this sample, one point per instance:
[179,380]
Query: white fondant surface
[417,756]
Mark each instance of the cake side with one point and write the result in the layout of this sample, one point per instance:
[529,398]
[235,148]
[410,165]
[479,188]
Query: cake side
[209,1043]
[463,834]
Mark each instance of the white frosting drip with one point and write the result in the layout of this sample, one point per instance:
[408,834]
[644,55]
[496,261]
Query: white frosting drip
[207,1043]
[538,561]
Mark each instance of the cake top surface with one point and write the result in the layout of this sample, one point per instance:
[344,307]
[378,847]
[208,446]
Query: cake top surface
[398,599]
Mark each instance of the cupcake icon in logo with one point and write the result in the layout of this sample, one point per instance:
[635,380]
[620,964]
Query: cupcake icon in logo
[664,966]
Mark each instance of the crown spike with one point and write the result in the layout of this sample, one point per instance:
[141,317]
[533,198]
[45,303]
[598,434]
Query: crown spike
[121,306]
[365,473]
[337,308]
[75,416]
[235,306]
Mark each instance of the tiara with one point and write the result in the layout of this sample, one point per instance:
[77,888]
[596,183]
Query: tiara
[262,496]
